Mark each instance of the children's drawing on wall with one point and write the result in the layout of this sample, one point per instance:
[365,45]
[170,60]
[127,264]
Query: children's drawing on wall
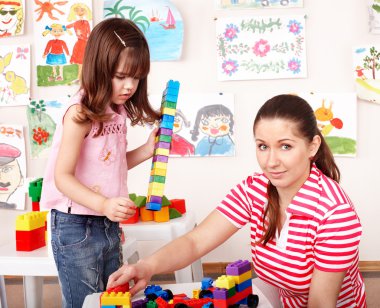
[203,124]
[258,4]
[261,47]
[61,29]
[336,118]
[374,16]
[12,17]
[43,116]
[14,75]
[12,167]
[160,21]
[179,145]
[367,73]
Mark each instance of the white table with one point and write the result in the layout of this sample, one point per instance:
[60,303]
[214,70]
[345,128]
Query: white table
[268,295]
[168,231]
[33,266]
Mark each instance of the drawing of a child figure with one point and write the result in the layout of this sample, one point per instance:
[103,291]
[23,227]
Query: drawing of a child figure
[216,122]
[55,50]
[81,13]
[179,145]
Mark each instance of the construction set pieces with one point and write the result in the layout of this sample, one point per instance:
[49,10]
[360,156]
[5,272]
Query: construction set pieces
[230,290]
[170,209]
[162,147]
[31,228]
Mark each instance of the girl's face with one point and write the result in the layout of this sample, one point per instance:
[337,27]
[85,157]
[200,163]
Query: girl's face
[57,31]
[123,86]
[80,11]
[215,126]
[8,17]
[283,154]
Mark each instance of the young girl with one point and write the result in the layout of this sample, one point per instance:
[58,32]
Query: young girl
[85,183]
[11,18]
[304,230]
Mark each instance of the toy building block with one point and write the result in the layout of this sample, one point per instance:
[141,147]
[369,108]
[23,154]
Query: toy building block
[31,231]
[139,201]
[179,205]
[34,193]
[146,215]
[173,213]
[162,215]
[118,299]
[162,146]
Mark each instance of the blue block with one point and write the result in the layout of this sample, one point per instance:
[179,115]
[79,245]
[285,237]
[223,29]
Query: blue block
[244,285]
[153,206]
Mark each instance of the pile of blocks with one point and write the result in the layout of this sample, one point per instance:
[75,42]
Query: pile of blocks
[170,209]
[162,147]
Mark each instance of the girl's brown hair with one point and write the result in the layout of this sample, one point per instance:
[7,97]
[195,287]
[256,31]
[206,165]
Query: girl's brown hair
[108,41]
[295,109]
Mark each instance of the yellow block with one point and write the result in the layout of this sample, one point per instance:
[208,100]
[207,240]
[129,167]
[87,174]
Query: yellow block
[161,215]
[158,171]
[31,221]
[169,111]
[160,165]
[243,277]
[226,282]
[113,298]
[161,151]
[196,293]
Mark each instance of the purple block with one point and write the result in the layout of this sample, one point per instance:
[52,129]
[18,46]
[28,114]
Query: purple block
[165,131]
[140,303]
[220,293]
[160,158]
[238,267]
[155,199]
[162,145]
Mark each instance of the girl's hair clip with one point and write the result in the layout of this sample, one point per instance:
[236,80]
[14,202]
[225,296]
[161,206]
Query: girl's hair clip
[120,39]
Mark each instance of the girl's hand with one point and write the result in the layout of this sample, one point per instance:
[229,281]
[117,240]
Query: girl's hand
[140,273]
[149,145]
[118,209]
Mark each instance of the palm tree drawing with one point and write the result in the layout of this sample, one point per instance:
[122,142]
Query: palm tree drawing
[117,11]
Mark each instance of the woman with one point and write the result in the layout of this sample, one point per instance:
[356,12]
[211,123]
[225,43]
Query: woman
[305,232]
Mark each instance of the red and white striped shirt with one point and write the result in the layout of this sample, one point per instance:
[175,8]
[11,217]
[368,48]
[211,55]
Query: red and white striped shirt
[323,231]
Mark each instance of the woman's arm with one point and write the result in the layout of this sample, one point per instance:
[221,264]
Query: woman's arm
[142,153]
[324,289]
[116,209]
[181,252]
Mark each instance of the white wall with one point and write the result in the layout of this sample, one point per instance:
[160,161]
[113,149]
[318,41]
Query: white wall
[332,29]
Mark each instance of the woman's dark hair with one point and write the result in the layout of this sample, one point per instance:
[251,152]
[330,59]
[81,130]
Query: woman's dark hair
[296,110]
[108,41]
[210,111]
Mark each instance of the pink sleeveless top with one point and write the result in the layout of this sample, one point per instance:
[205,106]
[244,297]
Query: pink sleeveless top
[102,164]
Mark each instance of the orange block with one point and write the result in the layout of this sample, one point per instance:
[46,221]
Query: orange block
[161,215]
[146,215]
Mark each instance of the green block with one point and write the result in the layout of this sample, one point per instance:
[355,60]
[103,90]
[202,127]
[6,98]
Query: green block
[165,201]
[151,304]
[35,188]
[140,201]
[132,196]
[165,138]
[173,213]
[168,105]
[157,179]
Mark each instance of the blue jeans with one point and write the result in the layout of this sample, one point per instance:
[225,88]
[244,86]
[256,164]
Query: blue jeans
[87,250]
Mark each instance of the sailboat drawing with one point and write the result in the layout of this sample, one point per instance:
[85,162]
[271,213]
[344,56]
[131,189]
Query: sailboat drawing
[170,21]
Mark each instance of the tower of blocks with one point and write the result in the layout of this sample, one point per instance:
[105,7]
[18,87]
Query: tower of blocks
[162,147]
[31,231]
[34,193]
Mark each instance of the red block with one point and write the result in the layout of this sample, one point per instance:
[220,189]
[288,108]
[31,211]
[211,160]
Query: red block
[132,220]
[179,205]
[30,240]
[35,206]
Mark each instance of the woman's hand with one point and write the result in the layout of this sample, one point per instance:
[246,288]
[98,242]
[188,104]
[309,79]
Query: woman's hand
[118,209]
[140,273]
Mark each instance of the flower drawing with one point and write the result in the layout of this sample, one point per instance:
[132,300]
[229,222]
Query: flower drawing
[231,32]
[294,65]
[295,27]
[261,48]
[230,67]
